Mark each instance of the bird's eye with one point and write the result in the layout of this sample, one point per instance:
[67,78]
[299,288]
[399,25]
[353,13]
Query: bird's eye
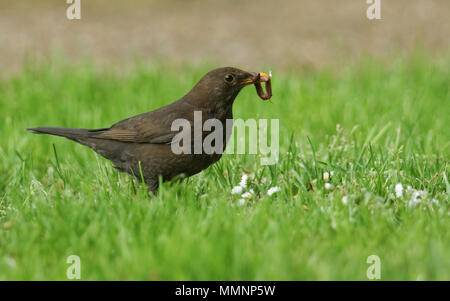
[229,78]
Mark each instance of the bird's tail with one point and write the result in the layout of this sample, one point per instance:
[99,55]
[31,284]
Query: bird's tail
[71,133]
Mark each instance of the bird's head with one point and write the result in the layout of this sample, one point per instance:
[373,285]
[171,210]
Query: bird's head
[222,85]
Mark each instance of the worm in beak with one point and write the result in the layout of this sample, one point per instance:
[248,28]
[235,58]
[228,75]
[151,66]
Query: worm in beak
[259,78]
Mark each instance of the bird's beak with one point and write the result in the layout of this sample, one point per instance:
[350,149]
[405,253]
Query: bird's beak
[257,77]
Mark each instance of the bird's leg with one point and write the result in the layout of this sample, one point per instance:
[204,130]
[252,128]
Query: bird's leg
[152,187]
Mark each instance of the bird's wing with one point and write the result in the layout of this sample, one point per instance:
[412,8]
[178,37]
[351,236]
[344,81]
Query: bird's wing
[153,127]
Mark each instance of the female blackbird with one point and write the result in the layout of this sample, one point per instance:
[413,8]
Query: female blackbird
[141,145]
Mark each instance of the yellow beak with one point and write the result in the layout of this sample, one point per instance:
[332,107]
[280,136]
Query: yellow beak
[257,77]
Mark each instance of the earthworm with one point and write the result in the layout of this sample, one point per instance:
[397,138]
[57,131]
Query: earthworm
[259,89]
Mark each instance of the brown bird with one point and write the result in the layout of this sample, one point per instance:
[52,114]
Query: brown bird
[141,145]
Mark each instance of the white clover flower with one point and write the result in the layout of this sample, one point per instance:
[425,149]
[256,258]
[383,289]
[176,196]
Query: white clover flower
[248,194]
[436,202]
[272,190]
[416,198]
[331,173]
[50,170]
[399,190]
[326,176]
[243,182]
[236,190]
[328,186]
[345,200]
[241,202]
[418,195]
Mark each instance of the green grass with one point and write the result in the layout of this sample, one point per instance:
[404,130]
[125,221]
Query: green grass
[393,128]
